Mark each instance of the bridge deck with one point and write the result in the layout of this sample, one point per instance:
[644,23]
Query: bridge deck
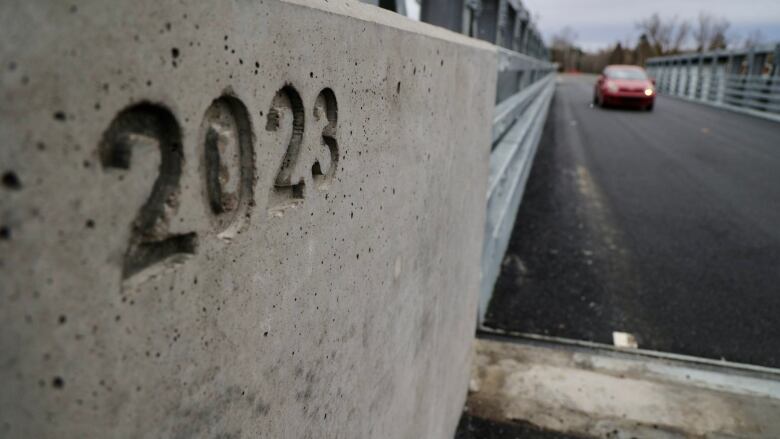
[665,225]
[534,390]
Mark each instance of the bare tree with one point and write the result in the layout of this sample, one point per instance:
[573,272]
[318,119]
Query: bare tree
[680,36]
[657,32]
[617,56]
[665,35]
[643,50]
[710,33]
[718,39]
[563,49]
[754,38]
[703,31]
[565,38]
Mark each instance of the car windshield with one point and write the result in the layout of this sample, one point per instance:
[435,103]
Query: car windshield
[625,74]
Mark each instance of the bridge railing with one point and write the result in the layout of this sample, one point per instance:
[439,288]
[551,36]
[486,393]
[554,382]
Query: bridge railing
[741,80]
[505,23]
[517,127]
[524,88]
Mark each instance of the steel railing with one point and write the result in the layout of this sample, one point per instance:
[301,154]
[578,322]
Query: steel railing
[517,127]
[741,80]
[524,88]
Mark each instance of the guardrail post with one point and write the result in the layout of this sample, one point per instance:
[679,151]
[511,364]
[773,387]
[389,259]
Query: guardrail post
[524,42]
[735,66]
[681,78]
[712,85]
[722,77]
[487,21]
[751,62]
[505,24]
[678,88]
[689,77]
[521,27]
[472,9]
[444,13]
[704,77]
[776,61]
[696,72]
[665,69]
[518,21]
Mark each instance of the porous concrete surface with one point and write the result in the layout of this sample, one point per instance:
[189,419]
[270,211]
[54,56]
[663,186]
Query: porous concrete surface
[604,394]
[163,271]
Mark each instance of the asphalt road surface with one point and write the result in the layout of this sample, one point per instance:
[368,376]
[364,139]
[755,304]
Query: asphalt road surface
[665,225]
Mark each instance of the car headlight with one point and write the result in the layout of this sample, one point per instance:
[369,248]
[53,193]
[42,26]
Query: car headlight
[649,92]
[611,86]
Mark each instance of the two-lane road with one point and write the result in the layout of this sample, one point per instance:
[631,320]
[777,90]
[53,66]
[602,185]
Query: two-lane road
[665,225]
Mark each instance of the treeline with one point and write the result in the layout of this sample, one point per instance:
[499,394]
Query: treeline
[658,36]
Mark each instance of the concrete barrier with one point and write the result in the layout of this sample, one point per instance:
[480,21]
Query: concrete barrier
[256,219]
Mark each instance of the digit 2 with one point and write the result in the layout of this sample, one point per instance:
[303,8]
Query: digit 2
[150,241]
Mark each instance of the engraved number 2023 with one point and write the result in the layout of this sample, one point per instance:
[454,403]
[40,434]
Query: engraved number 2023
[228,165]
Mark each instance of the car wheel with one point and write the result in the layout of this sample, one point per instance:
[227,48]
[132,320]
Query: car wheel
[650,107]
[595,99]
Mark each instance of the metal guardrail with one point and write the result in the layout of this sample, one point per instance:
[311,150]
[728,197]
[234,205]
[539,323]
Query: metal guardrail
[524,88]
[505,23]
[518,120]
[742,80]
[517,128]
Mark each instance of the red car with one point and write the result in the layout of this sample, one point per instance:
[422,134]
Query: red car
[624,85]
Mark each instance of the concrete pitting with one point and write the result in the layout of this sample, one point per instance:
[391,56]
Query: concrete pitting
[176,284]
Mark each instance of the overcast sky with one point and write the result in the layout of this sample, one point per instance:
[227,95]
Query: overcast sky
[599,23]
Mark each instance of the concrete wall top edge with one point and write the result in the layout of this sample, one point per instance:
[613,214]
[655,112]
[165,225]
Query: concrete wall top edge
[370,13]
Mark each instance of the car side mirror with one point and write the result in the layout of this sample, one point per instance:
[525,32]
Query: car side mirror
[600,79]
